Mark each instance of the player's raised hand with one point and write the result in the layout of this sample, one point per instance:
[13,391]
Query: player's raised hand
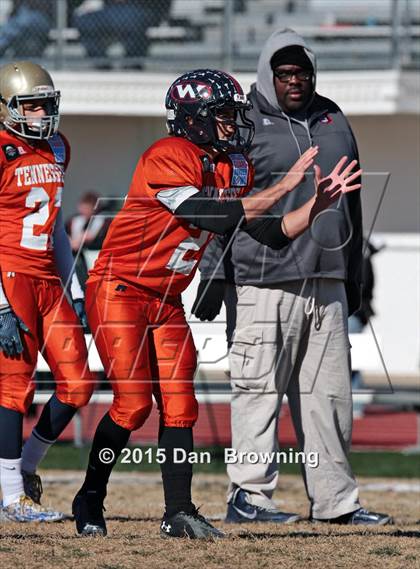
[339,181]
[297,172]
[10,326]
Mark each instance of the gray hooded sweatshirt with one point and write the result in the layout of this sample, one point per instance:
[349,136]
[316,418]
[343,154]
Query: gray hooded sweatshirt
[332,247]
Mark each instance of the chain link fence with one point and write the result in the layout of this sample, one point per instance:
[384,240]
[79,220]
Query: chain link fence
[176,35]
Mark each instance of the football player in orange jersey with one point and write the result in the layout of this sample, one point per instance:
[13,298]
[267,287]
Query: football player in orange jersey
[185,188]
[35,314]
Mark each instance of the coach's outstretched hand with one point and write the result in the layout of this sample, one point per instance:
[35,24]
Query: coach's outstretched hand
[338,182]
[10,326]
[209,299]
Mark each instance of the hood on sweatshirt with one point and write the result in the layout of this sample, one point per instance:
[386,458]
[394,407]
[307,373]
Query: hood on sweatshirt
[278,40]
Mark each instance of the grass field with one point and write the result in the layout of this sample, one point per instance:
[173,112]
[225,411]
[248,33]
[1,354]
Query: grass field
[135,503]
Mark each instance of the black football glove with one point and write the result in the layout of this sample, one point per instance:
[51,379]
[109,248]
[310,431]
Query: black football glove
[10,324]
[79,308]
[209,299]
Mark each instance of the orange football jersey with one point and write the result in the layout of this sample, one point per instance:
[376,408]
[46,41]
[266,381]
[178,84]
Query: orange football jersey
[31,183]
[146,243]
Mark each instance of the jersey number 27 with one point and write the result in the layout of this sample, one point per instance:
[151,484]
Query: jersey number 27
[39,217]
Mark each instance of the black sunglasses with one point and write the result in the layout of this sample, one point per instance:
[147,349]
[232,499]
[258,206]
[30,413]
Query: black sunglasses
[285,76]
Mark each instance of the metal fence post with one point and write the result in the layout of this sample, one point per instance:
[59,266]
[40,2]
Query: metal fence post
[227,43]
[395,35]
[406,39]
[61,24]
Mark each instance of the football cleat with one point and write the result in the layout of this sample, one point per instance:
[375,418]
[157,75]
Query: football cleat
[25,510]
[3,517]
[241,511]
[360,517]
[33,486]
[88,514]
[190,525]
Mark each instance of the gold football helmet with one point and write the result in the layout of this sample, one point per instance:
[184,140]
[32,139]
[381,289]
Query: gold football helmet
[26,82]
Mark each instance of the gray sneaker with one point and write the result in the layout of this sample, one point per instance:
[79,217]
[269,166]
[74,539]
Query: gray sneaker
[360,517]
[240,511]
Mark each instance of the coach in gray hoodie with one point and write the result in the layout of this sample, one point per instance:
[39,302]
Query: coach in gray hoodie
[293,304]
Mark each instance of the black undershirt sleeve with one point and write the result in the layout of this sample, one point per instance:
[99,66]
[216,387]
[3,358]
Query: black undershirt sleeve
[224,216]
[211,214]
[268,231]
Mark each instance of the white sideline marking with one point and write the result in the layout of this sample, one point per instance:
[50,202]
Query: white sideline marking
[391,487]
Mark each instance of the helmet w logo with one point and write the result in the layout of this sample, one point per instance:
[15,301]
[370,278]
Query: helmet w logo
[191,91]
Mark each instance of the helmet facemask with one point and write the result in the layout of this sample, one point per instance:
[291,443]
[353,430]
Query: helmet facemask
[38,128]
[240,126]
[201,127]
